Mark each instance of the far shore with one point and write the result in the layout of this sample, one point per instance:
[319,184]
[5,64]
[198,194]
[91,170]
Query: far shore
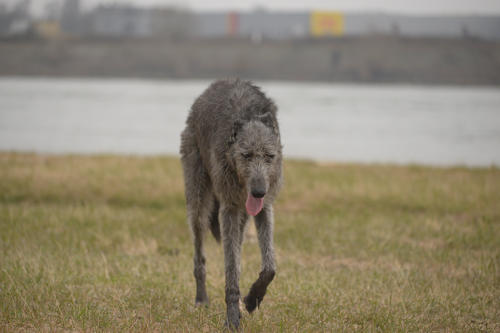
[374,59]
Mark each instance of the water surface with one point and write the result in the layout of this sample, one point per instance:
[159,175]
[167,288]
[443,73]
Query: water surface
[328,122]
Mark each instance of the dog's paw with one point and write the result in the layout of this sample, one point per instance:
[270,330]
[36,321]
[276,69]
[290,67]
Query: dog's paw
[201,302]
[251,303]
[233,319]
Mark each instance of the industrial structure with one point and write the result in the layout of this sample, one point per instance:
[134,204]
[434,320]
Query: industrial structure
[261,24]
[118,21]
[314,24]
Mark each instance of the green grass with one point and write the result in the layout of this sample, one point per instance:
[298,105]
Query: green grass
[101,243]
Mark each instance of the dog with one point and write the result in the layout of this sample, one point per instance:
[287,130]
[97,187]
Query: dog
[231,155]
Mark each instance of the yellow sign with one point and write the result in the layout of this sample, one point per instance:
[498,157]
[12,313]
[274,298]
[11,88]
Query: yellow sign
[326,24]
[48,30]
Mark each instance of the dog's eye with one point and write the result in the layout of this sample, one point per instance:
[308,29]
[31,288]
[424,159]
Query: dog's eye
[270,156]
[247,155]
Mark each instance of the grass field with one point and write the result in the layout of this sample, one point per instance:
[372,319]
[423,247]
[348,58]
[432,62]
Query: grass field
[101,243]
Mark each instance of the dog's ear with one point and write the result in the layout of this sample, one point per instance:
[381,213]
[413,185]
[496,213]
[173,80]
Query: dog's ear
[268,120]
[237,125]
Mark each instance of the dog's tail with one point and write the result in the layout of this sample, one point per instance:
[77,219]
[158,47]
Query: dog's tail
[214,222]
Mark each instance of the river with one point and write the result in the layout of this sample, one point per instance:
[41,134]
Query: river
[403,124]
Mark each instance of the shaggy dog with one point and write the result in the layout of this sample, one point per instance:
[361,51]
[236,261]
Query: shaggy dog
[232,161]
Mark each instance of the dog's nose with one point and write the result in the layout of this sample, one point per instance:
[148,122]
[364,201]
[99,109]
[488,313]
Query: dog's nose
[258,193]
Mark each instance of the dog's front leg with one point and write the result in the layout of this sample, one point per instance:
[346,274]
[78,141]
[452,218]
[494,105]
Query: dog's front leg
[230,222]
[264,224]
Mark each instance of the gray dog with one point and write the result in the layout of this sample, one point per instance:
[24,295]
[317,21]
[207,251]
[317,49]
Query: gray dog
[232,161]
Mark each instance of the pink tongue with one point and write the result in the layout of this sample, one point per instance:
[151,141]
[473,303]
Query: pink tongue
[254,205]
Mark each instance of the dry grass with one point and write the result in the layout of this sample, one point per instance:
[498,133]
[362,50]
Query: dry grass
[101,243]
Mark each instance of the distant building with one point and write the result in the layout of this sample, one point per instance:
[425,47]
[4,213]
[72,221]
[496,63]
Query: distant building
[16,21]
[320,24]
[120,21]
[71,17]
[172,23]
[485,27]
[257,25]
[211,24]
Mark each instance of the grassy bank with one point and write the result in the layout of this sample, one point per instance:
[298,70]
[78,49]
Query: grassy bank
[102,243]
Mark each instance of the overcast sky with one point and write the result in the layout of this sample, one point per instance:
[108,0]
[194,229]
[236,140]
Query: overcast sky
[393,6]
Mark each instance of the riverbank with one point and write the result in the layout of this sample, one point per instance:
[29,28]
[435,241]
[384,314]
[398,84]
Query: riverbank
[367,59]
[101,243]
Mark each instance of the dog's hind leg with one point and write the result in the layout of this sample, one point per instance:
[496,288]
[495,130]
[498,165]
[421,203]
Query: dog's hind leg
[264,225]
[199,200]
[199,263]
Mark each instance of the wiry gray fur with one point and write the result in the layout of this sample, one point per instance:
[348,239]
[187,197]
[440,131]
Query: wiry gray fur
[231,147]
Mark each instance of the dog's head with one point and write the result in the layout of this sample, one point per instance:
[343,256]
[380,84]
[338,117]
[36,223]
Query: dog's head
[256,153]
